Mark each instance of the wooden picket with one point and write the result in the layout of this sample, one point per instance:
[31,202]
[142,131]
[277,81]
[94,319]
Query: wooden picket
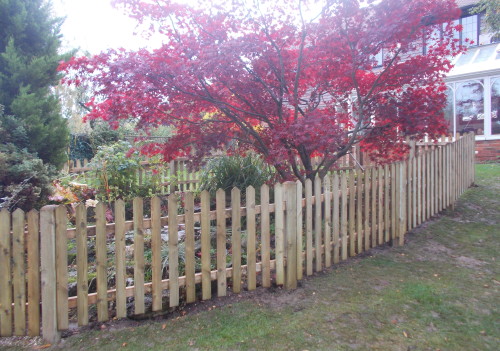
[315,224]
[33,276]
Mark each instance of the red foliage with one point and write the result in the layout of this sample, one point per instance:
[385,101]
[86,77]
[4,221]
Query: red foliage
[271,82]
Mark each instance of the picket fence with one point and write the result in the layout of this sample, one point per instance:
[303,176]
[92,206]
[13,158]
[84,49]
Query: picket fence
[306,229]
[177,176]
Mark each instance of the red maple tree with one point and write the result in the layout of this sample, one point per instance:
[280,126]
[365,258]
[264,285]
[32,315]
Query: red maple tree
[270,77]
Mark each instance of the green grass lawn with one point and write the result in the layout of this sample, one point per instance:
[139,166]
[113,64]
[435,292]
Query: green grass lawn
[438,292]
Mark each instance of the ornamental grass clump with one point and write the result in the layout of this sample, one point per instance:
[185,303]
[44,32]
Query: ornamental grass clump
[227,172]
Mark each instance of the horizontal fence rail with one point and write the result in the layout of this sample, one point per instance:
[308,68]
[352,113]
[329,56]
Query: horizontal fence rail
[191,248]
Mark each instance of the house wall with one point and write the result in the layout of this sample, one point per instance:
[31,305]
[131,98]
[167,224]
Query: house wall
[487,150]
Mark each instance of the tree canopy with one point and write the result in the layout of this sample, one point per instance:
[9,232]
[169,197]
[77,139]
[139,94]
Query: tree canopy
[491,9]
[29,45]
[289,79]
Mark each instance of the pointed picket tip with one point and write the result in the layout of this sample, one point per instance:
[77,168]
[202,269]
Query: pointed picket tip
[220,192]
[80,205]
[170,196]
[235,190]
[326,180]
[250,190]
[119,202]
[100,206]
[172,200]
[18,212]
[264,187]
[34,212]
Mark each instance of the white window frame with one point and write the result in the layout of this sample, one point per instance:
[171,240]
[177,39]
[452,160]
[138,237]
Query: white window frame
[487,82]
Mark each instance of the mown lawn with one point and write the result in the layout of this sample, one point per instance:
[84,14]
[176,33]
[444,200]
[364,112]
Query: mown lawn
[438,292]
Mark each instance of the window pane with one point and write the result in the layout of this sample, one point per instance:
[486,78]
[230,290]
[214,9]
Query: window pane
[448,110]
[433,37]
[470,107]
[495,107]
[469,30]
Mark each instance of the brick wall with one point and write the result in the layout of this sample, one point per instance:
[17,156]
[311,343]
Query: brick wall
[488,150]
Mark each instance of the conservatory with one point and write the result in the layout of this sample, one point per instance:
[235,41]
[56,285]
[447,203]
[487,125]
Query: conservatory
[474,93]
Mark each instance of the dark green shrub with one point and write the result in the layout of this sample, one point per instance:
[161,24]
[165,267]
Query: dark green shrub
[25,181]
[227,172]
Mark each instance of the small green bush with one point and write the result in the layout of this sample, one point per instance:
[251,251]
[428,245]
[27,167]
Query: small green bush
[116,170]
[227,172]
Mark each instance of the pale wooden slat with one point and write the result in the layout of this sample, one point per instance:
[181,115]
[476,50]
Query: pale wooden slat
[419,190]
[251,239]
[279,234]
[387,197]
[190,259]
[265,236]
[380,206]
[447,175]
[101,263]
[393,201]
[5,273]
[343,221]
[173,251]
[82,264]
[437,179]
[33,242]
[414,193]
[317,225]
[18,272]
[373,209]
[432,183]
[402,184]
[397,204]
[48,273]
[62,268]
[220,198]
[366,187]
[181,174]
[300,234]
[441,179]
[439,171]
[352,215]
[309,228]
[138,213]
[424,186]
[205,246]
[120,277]
[427,186]
[336,217]
[156,264]
[236,238]
[290,189]
[328,221]
[359,211]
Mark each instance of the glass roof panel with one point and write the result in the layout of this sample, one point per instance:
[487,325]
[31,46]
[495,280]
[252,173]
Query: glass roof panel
[477,60]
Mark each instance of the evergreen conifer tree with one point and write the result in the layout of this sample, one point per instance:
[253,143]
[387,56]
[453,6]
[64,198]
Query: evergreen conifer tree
[29,55]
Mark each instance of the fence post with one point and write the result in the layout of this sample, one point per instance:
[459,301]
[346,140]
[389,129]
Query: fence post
[290,236]
[50,331]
